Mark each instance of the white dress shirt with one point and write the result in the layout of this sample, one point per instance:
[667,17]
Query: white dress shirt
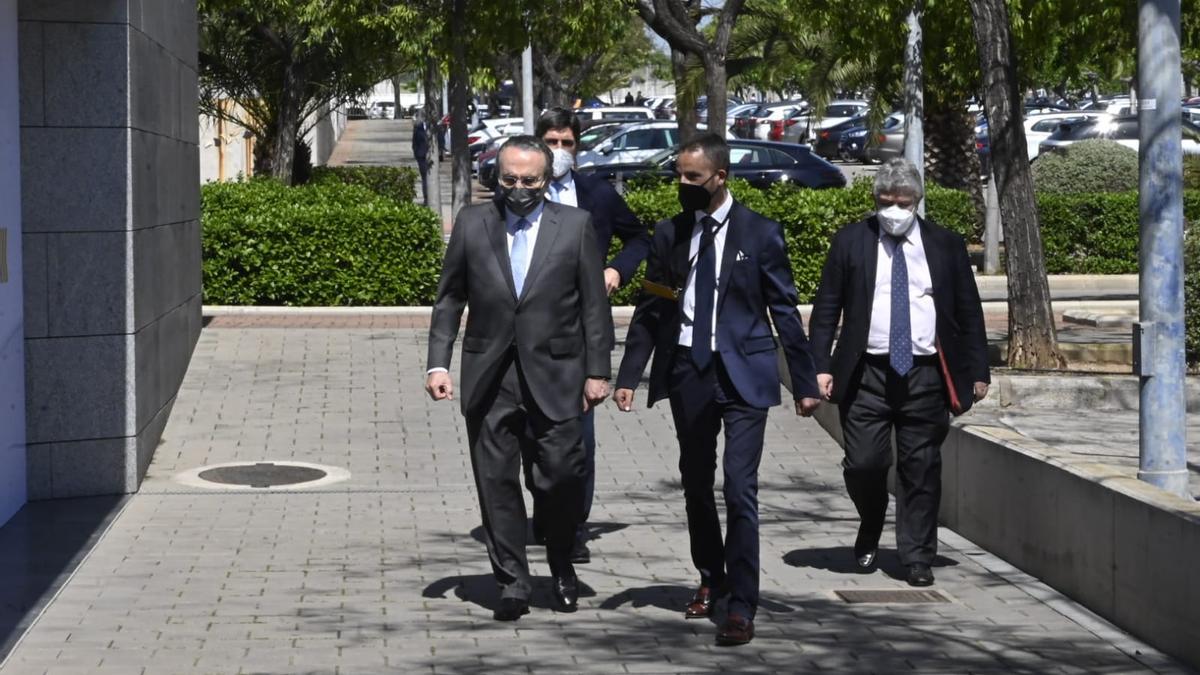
[689,293]
[566,194]
[535,221]
[510,221]
[921,309]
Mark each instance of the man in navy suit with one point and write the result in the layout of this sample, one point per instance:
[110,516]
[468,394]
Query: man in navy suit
[721,277]
[912,351]
[611,217]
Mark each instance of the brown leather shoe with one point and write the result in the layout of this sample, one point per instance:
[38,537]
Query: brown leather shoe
[737,630]
[702,603]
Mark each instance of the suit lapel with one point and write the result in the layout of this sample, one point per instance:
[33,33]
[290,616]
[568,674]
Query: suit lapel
[935,258]
[684,223]
[582,195]
[734,231]
[499,240]
[547,234]
[870,256]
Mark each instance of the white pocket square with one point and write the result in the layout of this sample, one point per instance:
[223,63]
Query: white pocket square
[741,256]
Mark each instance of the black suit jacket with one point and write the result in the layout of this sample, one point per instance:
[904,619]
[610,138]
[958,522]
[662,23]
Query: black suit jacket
[755,290]
[847,291]
[611,217]
[420,141]
[560,326]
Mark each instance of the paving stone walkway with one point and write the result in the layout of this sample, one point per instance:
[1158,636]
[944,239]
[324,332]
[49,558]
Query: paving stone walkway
[384,572]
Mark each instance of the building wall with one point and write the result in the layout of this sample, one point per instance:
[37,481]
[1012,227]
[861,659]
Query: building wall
[227,149]
[12,344]
[110,205]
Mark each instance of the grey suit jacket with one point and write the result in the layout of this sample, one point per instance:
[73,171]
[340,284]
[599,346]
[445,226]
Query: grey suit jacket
[561,326]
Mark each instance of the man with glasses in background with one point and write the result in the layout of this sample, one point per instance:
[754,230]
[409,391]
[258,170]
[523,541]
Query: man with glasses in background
[535,356]
[559,128]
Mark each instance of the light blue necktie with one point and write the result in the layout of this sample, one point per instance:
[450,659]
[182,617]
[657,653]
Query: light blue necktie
[518,258]
[556,189]
[900,332]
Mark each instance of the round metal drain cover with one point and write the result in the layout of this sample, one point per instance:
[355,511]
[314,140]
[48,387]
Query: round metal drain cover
[262,475]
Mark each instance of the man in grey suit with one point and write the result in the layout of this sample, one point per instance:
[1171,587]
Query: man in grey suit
[536,355]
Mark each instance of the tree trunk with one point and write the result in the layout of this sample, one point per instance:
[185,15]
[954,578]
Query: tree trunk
[1032,341]
[459,153]
[950,157]
[685,104]
[914,96]
[396,97]
[432,83]
[716,86]
[287,126]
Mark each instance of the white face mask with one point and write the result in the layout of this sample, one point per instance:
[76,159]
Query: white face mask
[896,220]
[564,161]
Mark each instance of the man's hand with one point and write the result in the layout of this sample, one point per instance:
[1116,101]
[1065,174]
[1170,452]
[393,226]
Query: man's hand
[439,386]
[981,390]
[612,280]
[825,385]
[805,407]
[595,390]
[624,399]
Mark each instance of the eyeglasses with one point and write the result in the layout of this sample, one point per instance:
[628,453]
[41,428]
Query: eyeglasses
[510,180]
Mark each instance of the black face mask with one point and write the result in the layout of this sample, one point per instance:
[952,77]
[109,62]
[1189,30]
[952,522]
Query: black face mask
[522,200]
[695,197]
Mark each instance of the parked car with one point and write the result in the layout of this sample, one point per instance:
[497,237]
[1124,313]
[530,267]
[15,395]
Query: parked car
[593,135]
[381,110]
[615,114]
[802,126]
[761,163]
[1117,105]
[1039,127]
[1123,130]
[862,145]
[758,124]
[702,107]
[828,140]
[632,144]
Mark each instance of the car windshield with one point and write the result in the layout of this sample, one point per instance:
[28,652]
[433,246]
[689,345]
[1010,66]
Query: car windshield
[596,135]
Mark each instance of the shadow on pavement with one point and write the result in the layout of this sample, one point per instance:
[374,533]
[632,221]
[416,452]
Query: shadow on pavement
[840,560]
[481,590]
[40,548]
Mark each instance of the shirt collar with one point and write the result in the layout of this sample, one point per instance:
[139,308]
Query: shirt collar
[722,211]
[510,218]
[567,182]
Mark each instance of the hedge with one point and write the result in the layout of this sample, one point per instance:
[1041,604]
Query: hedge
[396,183]
[1094,165]
[325,243]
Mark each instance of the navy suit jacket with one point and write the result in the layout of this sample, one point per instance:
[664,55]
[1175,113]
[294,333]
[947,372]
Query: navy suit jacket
[755,290]
[611,217]
[847,292]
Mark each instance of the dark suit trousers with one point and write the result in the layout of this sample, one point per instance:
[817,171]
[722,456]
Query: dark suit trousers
[701,402]
[914,406]
[510,428]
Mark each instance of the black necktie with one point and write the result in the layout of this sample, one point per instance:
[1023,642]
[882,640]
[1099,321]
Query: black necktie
[706,287]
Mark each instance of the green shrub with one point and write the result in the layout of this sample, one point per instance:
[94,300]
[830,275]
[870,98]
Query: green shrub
[394,182]
[324,243]
[1191,172]
[1095,165]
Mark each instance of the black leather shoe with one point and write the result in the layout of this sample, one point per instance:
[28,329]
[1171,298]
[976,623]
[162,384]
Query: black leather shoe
[919,574]
[580,552]
[566,593]
[866,547]
[511,609]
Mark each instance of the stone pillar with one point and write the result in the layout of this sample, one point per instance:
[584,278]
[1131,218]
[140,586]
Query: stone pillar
[110,203]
